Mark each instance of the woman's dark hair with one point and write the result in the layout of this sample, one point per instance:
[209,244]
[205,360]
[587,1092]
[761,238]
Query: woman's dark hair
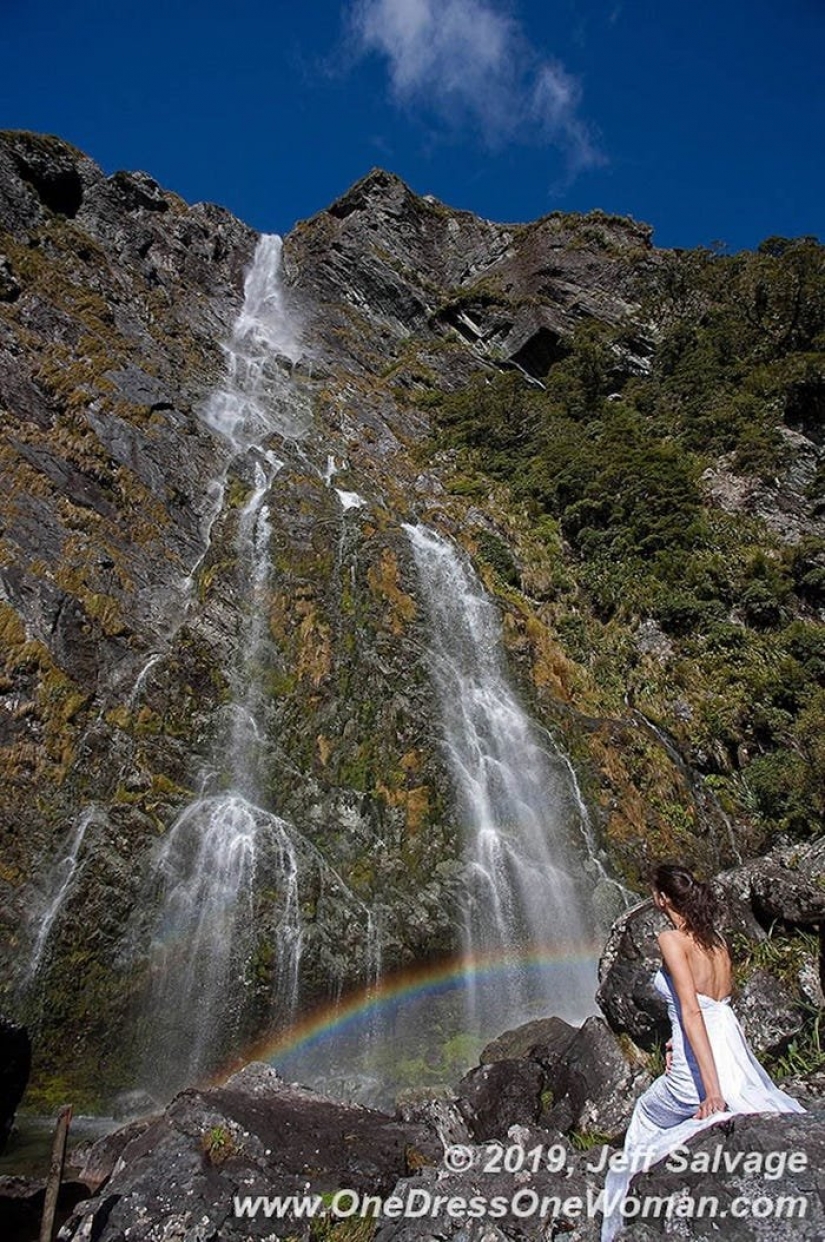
[694,900]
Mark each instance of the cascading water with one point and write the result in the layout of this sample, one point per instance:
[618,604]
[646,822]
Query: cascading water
[529,872]
[62,880]
[526,889]
[208,932]
[227,942]
[256,399]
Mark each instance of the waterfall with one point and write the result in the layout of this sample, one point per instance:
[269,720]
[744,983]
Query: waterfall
[527,878]
[208,932]
[61,882]
[227,879]
[256,399]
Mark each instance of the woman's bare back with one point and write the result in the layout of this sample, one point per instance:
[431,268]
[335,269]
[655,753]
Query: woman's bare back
[711,968]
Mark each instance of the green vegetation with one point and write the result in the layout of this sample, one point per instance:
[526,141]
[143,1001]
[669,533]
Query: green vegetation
[584,1140]
[725,362]
[805,1054]
[218,1145]
[352,1229]
[785,955]
[781,954]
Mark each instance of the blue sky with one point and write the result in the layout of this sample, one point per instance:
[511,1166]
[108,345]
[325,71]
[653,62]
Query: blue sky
[704,119]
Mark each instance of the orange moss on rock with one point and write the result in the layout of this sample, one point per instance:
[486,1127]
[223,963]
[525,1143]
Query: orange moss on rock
[383,580]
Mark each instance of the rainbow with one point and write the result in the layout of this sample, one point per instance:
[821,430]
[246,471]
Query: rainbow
[434,979]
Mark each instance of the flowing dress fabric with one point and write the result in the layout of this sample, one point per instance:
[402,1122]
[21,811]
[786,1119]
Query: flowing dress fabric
[663,1117]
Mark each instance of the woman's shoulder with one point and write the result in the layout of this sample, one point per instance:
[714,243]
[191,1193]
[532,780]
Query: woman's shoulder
[673,936]
[674,947]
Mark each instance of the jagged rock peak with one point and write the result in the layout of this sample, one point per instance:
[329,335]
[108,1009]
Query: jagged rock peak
[378,184]
[381,189]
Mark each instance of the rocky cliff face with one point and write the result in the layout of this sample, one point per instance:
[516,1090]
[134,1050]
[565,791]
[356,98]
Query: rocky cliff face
[123,605]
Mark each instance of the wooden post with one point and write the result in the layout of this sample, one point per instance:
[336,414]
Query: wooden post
[55,1177]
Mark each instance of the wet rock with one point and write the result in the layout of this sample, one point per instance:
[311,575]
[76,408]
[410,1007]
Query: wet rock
[15,1065]
[96,1162]
[496,1096]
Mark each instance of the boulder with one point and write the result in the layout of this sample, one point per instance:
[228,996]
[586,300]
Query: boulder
[766,1143]
[809,1089]
[96,1162]
[532,1204]
[596,1083]
[789,884]
[442,1116]
[255,1135]
[544,1040]
[494,1097]
[15,1065]
[770,1012]
[626,993]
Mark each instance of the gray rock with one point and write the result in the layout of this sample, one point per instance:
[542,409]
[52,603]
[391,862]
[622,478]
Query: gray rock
[770,1011]
[651,640]
[496,1096]
[595,1083]
[256,1135]
[789,884]
[626,993]
[442,1116]
[544,1040]
[748,1138]
[9,287]
[534,1204]
[96,1163]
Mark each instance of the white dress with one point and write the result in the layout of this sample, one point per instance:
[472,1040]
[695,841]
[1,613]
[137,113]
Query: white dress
[663,1117]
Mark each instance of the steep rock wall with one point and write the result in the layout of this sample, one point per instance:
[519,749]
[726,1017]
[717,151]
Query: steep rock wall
[120,611]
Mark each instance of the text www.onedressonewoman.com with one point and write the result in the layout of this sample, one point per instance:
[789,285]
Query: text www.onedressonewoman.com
[420,1202]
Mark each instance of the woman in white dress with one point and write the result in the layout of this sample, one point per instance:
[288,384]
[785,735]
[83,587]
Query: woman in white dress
[711,1073]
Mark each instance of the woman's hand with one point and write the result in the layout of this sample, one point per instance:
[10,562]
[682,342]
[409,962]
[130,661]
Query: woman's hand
[710,1105]
[668,1056]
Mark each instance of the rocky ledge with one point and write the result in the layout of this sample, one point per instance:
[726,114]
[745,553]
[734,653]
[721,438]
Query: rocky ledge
[518,1149]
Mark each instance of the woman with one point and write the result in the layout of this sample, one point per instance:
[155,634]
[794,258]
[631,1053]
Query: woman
[711,1072]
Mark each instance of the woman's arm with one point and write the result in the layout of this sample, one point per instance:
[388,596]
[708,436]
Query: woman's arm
[676,960]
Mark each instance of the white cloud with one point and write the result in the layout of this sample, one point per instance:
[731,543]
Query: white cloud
[470,63]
